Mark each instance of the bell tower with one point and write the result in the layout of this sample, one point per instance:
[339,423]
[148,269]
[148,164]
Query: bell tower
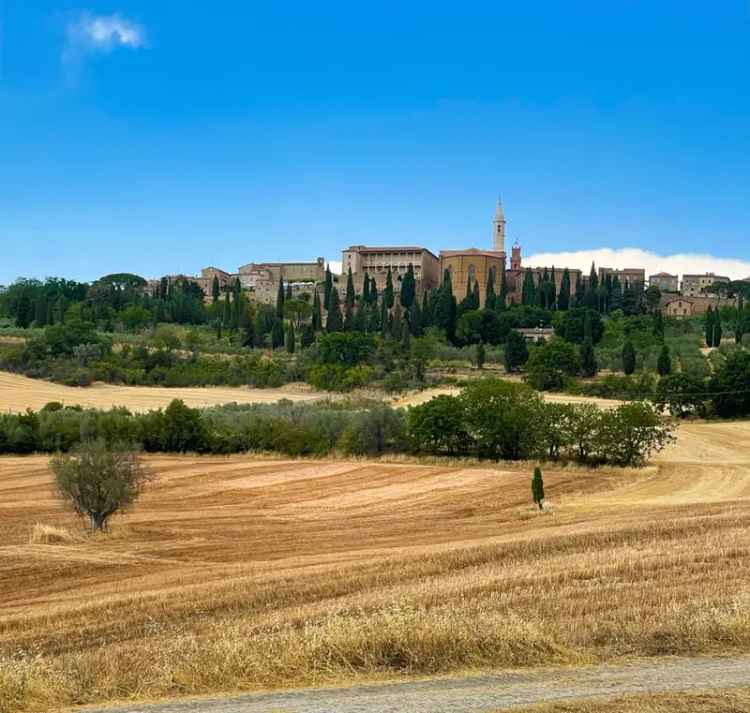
[498,228]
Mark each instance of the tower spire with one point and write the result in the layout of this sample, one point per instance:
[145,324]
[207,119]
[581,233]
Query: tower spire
[498,227]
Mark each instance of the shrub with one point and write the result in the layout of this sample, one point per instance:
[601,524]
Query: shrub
[550,363]
[438,426]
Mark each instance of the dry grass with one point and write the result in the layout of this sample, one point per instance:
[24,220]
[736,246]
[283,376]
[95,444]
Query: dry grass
[240,573]
[727,701]
[51,535]
[18,393]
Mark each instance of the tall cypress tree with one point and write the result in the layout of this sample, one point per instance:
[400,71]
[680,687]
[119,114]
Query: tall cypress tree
[408,288]
[489,296]
[528,291]
[553,291]
[373,292]
[280,297]
[328,286]
[215,290]
[388,292]
[563,298]
[350,293]
[227,313]
[290,338]
[502,295]
[628,358]
[277,334]
[615,296]
[317,317]
[366,289]
[334,323]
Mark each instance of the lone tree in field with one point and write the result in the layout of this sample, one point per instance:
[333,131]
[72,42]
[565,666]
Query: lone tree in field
[537,488]
[99,482]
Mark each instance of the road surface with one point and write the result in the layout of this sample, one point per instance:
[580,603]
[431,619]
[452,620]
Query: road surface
[479,694]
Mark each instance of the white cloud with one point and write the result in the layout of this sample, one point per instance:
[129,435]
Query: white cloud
[107,32]
[335,266]
[99,33]
[678,264]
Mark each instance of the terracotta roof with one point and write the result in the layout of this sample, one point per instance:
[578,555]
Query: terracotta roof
[664,274]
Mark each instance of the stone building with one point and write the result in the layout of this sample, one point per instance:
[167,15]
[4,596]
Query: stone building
[665,282]
[289,271]
[376,261]
[470,266]
[627,276]
[694,285]
[516,274]
[473,265]
[680,306]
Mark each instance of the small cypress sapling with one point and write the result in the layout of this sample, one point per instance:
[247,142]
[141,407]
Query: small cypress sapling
[537,488]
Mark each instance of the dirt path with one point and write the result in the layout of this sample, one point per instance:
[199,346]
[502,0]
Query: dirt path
[479,694]
[17,393]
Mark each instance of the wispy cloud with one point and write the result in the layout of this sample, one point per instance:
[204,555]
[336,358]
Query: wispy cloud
[677,264]
[88,34]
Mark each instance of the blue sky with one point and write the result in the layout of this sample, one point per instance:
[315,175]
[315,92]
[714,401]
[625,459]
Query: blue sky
[163,136]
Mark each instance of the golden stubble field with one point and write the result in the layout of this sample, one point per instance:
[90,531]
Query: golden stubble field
[241,573]
[18,393]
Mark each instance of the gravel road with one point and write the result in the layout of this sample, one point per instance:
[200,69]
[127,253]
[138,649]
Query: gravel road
[478,694]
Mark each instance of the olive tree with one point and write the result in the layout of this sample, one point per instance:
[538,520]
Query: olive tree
[98,482]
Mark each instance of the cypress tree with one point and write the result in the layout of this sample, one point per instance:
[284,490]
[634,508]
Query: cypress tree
[628,357]
[280,297]
[397,325]
[528,291]
[563,298]
[481,355]
[490,297]
[475,301]
[349,319]
[589,367]
[408,288]
[327,289]
[405,339]
[537,488]
[227,313]
[658,324]
[277,334]
[317,317]
[290,338]
[308,336]
[360,317]
[615,297]
[415,320]
[388,292]
[350,293]
[366,289]
[215,290]
[553,291]
[334,321]
[580,292]
[664,362]
[373,291]
[248,334]
[288,291]
[502,295]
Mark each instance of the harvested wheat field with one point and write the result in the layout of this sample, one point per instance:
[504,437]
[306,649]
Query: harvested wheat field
[18,393]
[420,397]
[241,573]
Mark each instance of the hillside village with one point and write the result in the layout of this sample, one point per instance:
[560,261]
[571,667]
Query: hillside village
[679,296]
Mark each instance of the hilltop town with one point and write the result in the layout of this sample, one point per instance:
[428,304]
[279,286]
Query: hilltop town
[469,269]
